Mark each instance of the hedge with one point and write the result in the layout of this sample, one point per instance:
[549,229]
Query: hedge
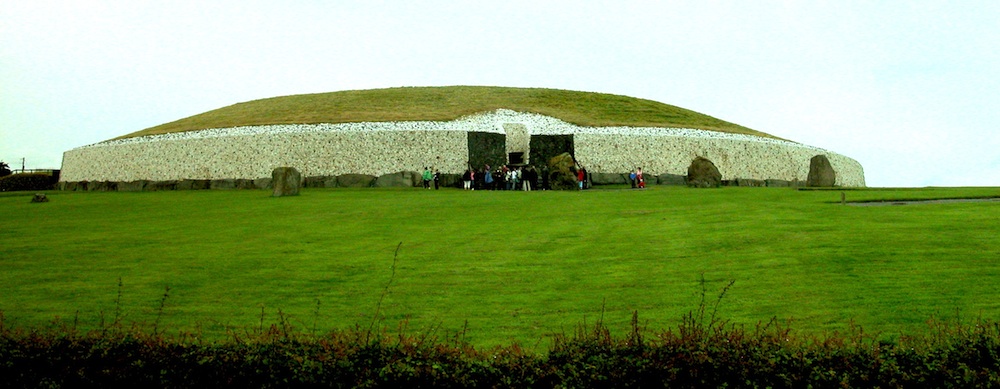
[27,181]
[695,355]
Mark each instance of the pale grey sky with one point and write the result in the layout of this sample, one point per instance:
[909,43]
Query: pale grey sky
[910,89]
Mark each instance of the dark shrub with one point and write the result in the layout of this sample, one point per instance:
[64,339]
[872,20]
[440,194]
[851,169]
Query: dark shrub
[27,181]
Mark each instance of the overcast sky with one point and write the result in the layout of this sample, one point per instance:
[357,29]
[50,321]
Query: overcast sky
[910,89]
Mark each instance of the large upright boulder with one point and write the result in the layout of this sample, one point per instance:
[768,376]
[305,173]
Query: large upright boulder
[562,172]
[821,173]
[286,181]
[702,173]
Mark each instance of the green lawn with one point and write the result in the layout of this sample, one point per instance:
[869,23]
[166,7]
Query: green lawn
[509,266]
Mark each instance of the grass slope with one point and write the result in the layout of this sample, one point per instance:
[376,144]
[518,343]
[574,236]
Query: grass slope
[449,103]
[508,266]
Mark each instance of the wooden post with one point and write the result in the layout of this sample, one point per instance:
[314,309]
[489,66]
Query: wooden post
[843,198]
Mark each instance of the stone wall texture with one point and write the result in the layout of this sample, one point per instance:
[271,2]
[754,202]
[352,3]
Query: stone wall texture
[378,148]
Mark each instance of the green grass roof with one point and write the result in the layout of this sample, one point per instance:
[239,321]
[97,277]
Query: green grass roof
[449,103]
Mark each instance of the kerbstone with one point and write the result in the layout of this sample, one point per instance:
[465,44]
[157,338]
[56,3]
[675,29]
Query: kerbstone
[355,180]
[702,173]
[398,180]
[671,179]
[608,178]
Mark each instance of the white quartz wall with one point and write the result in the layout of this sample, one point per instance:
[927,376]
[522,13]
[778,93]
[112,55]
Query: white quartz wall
[388,147]
[735,158]
[255,156]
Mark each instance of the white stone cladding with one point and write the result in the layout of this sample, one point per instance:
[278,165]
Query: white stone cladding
[518,139]
[378,148]
[735,158]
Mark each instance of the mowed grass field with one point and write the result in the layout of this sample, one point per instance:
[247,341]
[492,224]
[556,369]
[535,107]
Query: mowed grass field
[502,267]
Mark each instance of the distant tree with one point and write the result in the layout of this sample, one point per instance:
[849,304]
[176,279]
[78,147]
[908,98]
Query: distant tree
[4,169]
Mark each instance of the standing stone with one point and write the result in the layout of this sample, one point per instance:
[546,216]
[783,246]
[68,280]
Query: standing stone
[286,181]
[821,173]
[702,173]
[40,198]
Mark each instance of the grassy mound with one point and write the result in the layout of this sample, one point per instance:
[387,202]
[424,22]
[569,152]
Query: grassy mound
[449,103]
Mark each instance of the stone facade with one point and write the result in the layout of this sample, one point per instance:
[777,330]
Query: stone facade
[380,148]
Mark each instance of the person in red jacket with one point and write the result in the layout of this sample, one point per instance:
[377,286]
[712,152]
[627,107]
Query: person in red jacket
[638,177]
[581,175]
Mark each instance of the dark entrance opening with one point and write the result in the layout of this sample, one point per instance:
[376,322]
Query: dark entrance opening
[516,158]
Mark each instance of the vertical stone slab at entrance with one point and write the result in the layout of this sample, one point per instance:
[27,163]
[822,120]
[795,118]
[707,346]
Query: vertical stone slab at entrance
[487,149]
[286,181]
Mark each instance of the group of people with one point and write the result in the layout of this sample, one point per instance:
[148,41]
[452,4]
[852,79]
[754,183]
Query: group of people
[638,181]
[524,178]
[505,177]
[427,176]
